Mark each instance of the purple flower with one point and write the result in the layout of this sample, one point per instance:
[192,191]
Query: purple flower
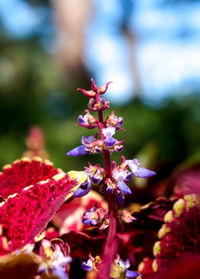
[93,216]
[88,121]
[77,151]
[125,265]
[118,148]
[82,149]
[108,133]
[83,189]
[114,121]
[90,217]
[120,177]
[87,266]
[92,263]
[110,141]
[134,166]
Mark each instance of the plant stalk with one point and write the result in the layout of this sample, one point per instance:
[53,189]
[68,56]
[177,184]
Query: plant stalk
[111,244]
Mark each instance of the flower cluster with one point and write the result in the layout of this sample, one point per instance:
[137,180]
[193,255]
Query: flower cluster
[104,141]
[112,180]
[119,267]
[57,255]
[96,216]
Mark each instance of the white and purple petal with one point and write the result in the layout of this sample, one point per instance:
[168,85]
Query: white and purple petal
[108,132]
[87,140]
[87,266]
[81,120]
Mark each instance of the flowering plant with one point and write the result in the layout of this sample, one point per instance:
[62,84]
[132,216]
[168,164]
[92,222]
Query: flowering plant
[112,179]
[54,225]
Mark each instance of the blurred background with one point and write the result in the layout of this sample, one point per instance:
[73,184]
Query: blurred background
[150,49]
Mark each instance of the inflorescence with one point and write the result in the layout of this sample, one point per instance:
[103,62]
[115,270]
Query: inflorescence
[113,178]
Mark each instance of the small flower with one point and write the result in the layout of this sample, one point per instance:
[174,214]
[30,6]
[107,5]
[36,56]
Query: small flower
[87,121]
[108,133]
[83,189]
[100,105]
[120,177]
[90,145]
[134,166]
[87,266]
[57,258]
[118,147]
[120,269]
[96,173]
[94,216]
[92,263]
[110,185]
[126,217]
[114,121]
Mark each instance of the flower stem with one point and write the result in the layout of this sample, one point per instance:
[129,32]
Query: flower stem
[111,244]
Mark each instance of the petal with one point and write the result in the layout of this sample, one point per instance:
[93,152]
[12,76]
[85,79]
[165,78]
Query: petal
[95,179]
[77,151]
[87,140]
[109,131]
[120,121]
[120,199]
[127,262]
[81,120]
[80,192]
[123,187]
[110,141]
[133,165]
[59,272]
[144,173]
[86,222]
[128,177]
[132,274]
[86,267]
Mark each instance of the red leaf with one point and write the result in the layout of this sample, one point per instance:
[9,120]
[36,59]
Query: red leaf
[33,192]
[180,233]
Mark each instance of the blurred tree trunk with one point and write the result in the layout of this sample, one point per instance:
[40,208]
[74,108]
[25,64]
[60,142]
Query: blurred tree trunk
[71,18]
[132,42]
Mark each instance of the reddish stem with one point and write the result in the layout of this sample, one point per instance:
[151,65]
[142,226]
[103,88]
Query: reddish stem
[111,244]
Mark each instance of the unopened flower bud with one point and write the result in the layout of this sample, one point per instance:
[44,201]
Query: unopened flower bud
[87,93]
[102,89]
[126,217]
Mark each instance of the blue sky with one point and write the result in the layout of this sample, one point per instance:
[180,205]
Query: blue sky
[168,51]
